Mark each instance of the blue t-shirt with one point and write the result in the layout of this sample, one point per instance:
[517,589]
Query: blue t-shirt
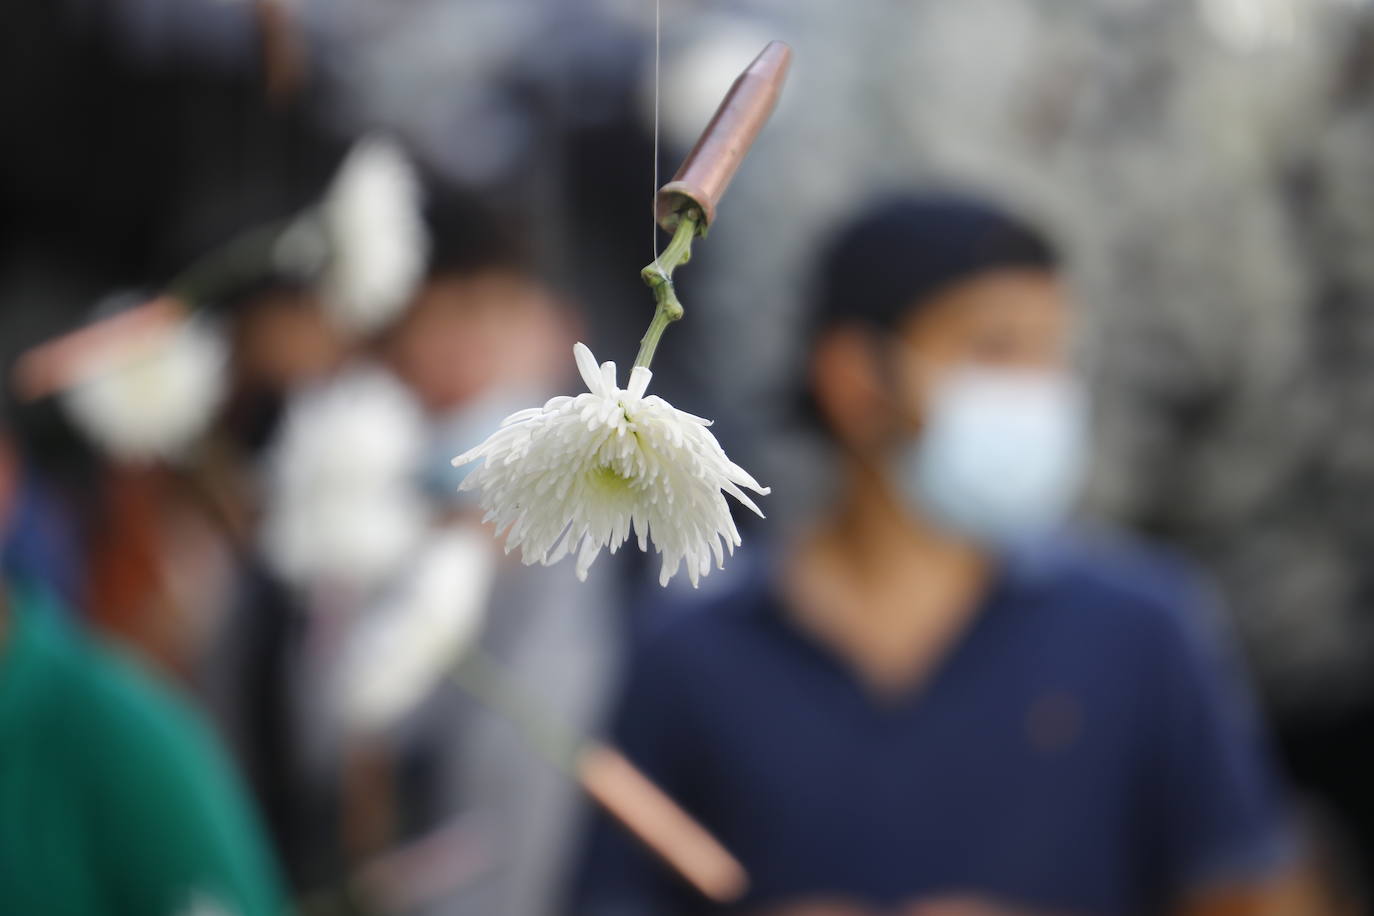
[1085,747]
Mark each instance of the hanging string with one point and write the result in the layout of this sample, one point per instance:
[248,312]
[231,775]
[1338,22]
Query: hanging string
[653,200]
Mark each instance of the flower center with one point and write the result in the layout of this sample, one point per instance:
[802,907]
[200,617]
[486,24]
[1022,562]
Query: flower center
[608,480]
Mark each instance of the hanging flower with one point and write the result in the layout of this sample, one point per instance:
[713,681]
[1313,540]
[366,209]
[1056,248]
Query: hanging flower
[366,241]
[344,507]
[581,473]
[147,396]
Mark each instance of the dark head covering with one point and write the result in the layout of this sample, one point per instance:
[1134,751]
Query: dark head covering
[469,234]
[902,251]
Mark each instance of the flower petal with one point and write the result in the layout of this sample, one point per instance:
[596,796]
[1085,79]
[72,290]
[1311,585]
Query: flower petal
[586,366]
[591,549]
[639,382]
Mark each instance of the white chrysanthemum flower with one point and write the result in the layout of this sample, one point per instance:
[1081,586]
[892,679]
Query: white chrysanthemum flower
[151,395]
[366,241]
[344,507]
[583,472]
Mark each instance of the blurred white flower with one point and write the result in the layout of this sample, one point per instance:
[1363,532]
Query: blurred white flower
[148,396]
[699,75]
[344,508]
[582,473]
[204,904]
[1254,24]
[402,646]
[366,241]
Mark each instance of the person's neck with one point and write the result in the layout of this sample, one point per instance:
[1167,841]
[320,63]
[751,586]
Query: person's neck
[883,587]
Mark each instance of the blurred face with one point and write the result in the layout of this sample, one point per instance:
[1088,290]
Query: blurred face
[467,334]
[969,411]
[875,392]
[1015,321]
[284,340]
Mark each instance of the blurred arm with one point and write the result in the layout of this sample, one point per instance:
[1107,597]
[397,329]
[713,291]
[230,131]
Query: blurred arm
[1276,897]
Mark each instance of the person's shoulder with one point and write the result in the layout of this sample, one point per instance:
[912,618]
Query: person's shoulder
[96,715]
[143,763]
[109,698]
[1113,561]
[1138,589]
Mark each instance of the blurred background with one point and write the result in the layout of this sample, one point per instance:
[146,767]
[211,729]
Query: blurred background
[269,520]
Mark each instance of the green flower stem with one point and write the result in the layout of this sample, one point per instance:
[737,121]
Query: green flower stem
[482,678]
[242,259]
[659,276]
[493,687]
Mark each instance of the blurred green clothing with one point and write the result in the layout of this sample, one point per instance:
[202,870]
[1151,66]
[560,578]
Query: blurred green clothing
[114,799]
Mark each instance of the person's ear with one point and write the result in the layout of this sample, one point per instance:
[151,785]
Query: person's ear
[847,384]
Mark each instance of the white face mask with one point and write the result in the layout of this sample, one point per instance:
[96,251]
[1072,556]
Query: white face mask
[464,427]
[1001,455]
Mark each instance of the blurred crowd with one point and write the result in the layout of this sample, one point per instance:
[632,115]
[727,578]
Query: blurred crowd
[1050,323]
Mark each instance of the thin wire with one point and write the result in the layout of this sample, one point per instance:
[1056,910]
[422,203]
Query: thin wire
[653,201]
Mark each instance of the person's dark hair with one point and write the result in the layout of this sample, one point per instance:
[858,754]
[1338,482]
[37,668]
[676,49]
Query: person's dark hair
[904,250]
[468,235]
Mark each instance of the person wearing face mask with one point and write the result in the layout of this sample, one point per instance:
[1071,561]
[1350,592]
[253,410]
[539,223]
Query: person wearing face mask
[485,823]
[939,699]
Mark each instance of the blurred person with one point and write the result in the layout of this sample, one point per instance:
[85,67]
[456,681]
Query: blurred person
[482,321]
[171,572]
[939,699]
[282,340]
[447,808]
[162,483]
[114,799]
[170,127]
[285,349]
